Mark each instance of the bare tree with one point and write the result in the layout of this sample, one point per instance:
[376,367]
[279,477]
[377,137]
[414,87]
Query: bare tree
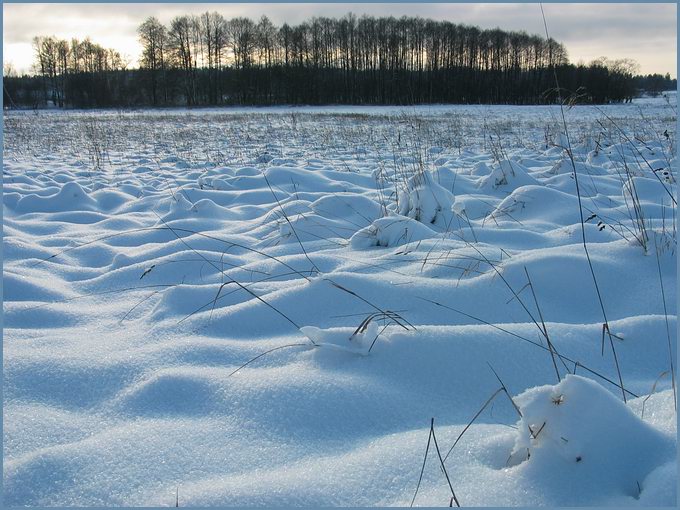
[179,42]
[153,36]
[243,38]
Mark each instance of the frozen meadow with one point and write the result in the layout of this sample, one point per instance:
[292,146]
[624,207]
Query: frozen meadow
[268,306]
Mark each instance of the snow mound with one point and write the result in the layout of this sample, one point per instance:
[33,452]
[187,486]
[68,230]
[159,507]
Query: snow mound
[71,197]
[350,206]
[579,435]
[426,201]
[308,227]
[391,231]
[650,192]
[507,175]
[565,166]
[537,205]
[480,169]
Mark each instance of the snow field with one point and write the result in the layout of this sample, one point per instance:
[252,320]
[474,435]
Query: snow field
[381,258]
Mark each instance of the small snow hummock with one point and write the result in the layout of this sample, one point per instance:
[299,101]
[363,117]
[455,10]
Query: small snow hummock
[578,437]
[389,232]
[426,201]
[508,175]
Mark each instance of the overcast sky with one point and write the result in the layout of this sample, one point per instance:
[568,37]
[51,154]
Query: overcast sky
[645,32]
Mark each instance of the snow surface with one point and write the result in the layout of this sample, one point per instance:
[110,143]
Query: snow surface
[372,264]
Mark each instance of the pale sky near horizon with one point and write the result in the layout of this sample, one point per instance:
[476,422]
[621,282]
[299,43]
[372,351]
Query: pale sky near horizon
[644,32]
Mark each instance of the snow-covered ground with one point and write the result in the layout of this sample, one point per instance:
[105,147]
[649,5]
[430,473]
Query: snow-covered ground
[379,268]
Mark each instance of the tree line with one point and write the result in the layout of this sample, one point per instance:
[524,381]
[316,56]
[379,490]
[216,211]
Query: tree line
[209,60]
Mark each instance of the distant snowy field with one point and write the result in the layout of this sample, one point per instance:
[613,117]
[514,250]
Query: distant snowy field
[386,260]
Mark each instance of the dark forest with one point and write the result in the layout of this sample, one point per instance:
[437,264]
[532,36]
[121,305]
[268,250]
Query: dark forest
[209,60]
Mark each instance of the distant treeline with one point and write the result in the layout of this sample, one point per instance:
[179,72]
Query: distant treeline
[209,60]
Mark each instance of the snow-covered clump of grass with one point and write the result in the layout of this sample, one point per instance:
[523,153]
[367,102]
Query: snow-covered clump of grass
[426,201]
[391,231]
[578,435]
[506,175]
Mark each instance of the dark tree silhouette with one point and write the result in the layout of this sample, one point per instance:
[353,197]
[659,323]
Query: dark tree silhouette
[154,39]
[208,60]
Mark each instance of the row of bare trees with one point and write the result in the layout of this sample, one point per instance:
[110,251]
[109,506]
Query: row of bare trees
[350,42]
[360,48]
[208,59]
[57,60]
[207,42]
